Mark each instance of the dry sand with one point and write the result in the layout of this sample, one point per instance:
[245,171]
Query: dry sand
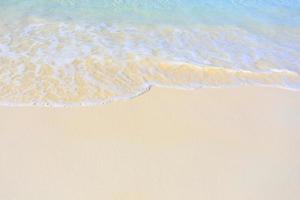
[213,144]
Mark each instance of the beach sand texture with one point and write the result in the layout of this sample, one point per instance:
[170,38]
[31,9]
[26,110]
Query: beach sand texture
[167,144]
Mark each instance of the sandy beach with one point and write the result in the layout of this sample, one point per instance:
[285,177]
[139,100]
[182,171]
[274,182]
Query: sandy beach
[166,144]
[149,100]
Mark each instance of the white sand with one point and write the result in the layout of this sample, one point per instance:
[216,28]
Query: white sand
[167,144]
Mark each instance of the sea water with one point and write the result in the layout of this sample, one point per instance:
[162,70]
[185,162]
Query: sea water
[85,52]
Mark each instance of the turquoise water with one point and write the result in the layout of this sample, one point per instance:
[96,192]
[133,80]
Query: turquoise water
[238,12]
[249,14]
[80,52]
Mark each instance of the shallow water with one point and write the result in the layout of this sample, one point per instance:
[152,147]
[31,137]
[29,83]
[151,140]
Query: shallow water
[82,52]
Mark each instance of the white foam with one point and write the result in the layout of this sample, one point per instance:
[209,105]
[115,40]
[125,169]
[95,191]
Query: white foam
[50,63]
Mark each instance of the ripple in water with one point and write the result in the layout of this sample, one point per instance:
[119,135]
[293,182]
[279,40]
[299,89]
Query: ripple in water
[85,52]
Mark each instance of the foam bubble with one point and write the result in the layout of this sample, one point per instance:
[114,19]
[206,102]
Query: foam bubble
[45,62]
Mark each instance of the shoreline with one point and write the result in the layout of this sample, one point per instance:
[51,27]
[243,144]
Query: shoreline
[146,89]
[166,144]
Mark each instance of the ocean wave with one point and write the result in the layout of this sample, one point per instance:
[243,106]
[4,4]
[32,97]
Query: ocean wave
[104,84]
[52,63]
